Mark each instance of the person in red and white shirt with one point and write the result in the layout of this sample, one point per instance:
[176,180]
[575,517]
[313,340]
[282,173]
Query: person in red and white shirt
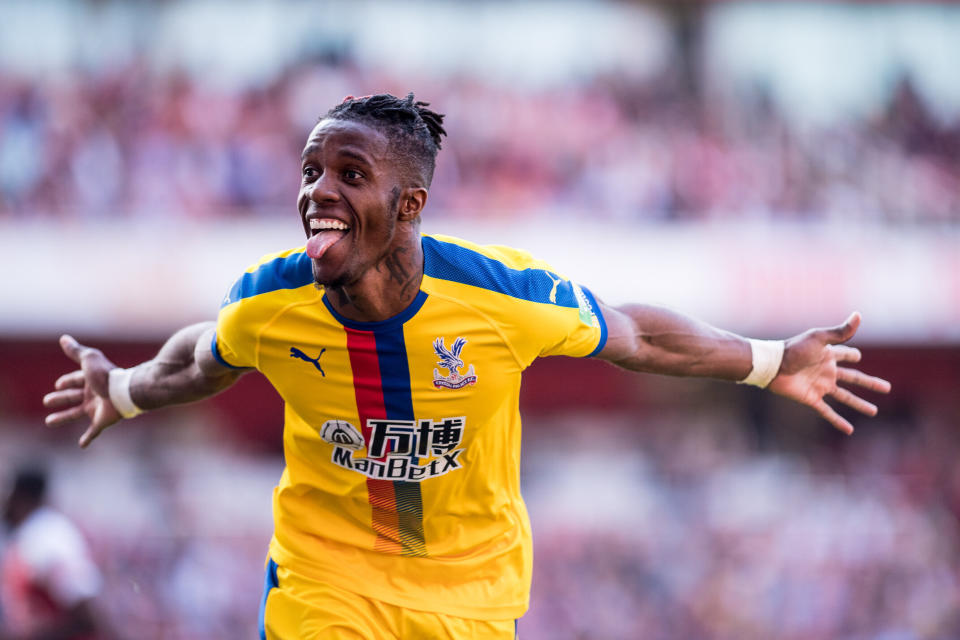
[48,579]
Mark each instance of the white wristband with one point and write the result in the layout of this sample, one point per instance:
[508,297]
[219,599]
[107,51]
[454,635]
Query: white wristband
[119,382]
[767,356]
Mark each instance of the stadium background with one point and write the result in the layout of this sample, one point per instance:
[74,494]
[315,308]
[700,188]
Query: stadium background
[764,166]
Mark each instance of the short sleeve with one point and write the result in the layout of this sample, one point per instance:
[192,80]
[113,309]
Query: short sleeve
[252,300]
[579,331]
[558,316]
[539,312]
[234,343]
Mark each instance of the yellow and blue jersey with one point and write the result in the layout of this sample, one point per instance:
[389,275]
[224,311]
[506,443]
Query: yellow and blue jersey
[402,437]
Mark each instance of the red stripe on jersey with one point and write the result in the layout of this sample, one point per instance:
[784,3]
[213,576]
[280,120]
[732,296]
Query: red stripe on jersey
[368,389]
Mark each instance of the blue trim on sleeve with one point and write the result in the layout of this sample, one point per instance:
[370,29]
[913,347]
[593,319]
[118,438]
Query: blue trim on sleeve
[603,322]
[448,261]
[290,272]
[269,582]
[218,357]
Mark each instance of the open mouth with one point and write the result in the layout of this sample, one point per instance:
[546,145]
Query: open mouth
[324,233]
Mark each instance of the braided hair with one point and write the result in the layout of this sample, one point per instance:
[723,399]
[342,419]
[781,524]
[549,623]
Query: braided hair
[414,131]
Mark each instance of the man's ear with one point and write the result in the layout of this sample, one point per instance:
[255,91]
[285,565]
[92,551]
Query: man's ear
[412,201]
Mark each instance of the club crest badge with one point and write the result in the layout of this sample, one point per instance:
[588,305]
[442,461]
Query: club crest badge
[451,361]
[342,434]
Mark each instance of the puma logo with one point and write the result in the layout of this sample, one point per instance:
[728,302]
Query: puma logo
[556,283]
[300,355]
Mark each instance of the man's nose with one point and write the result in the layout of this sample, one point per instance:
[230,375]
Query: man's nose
[323,190]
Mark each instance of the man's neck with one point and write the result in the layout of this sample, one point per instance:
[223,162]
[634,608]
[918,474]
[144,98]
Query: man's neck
[385,290]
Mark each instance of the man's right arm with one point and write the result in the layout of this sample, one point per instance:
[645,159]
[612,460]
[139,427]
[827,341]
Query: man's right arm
[184,370]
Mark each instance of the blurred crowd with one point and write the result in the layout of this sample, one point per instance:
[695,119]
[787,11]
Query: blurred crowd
[730,546]
[641,530]
[133,142]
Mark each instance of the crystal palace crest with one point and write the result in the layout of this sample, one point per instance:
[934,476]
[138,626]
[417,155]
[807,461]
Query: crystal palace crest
[451,361]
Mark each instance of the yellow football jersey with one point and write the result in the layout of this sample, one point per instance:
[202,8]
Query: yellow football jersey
[402,437]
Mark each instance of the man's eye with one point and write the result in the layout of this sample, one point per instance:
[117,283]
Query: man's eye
[352,174]
[309,172]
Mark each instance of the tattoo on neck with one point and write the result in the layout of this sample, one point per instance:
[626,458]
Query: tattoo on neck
[400,272]
[343,300]
[393,262]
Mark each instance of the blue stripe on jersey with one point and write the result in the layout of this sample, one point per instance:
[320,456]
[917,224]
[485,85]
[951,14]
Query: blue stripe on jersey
[289,272]
[216,354]
[398,404]
[394,373]
[269,582]
[448,261]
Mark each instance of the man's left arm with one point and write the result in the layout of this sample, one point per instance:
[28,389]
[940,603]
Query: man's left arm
[806,368]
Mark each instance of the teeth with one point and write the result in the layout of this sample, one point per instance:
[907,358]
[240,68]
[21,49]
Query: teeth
[327,223]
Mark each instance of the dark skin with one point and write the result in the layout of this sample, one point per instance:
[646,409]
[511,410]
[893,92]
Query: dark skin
[370,262]
[348,174]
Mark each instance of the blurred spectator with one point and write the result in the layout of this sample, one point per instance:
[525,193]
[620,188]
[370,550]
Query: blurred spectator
[132,142]
[47,578]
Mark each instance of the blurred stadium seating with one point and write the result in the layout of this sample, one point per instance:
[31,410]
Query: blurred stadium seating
[131,140]
[765,166]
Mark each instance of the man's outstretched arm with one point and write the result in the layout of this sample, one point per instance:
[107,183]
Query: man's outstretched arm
[184,370]
[656,340]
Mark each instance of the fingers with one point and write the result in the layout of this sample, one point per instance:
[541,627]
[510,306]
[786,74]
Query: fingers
[61,399]
[71,347]
[854,401]
[834,418]
[74,379]
[843,353]
[62,417]
[89,435]
[76,351]
[845,331]
[852,376]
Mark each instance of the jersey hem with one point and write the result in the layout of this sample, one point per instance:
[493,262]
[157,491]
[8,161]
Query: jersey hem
[503,612]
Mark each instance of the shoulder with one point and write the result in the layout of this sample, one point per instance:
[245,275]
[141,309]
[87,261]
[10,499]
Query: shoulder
[289,269]
[448,248]
[46,522]
[496,268]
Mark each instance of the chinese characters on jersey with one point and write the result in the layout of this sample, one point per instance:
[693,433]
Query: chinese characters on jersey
[396,447]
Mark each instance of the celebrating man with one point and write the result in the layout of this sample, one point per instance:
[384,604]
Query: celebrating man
[399,357]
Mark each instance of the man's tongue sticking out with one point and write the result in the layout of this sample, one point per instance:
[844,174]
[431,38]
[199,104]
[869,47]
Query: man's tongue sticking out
[318,244]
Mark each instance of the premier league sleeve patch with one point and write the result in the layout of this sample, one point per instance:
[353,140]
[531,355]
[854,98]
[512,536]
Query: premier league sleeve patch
[588,315]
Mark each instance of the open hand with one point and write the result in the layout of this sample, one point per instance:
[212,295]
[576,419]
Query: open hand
[811,370]
[84,392]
